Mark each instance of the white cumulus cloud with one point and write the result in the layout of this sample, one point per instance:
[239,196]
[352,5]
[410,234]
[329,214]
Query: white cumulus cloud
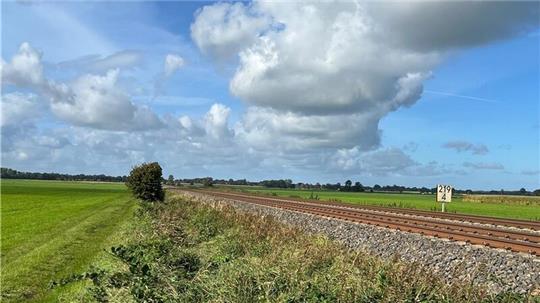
[19,108]
[96,101]
[24,69]
[216,121]
[172,64]
[223,29]
[265,128]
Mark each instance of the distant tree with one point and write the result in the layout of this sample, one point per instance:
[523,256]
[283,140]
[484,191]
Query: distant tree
[358,187]
[170,180]
[289,183]
[348,185]
[144,181]
[523,191]
[536,192]
[281,183]
[208,181]
[376,187]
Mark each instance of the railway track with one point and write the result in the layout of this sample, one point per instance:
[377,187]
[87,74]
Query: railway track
[450,216]
[522,224]
[455,227]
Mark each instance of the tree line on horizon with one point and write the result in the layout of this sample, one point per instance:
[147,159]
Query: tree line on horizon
[8,173]
[347,186]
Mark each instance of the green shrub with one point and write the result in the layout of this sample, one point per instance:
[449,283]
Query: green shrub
[144,181]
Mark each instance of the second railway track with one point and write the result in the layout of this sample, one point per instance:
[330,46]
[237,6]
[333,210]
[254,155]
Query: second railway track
[454,229]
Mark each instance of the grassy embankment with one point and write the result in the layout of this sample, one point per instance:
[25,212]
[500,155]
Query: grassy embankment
[495,206]
[51,228]
[188,252]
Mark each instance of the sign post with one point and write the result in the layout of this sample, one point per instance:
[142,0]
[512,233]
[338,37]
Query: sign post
[444,194]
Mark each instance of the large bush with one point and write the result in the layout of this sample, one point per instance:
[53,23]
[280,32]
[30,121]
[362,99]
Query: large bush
[144,181]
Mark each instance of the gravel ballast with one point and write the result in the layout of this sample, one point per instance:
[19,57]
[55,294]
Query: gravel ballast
[496,270]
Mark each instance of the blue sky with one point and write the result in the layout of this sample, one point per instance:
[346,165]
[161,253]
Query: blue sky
[260,90]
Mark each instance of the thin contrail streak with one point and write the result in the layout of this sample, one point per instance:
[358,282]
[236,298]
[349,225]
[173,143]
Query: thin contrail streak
[460,96]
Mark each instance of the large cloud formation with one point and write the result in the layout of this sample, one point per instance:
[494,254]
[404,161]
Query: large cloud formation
[323,74]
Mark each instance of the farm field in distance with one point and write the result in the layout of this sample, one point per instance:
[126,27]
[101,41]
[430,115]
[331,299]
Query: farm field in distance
[51,229]
[412,200]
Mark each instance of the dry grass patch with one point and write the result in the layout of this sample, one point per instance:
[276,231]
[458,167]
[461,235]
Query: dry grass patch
[503,199]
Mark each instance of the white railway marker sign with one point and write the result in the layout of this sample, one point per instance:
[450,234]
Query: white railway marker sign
[444,194]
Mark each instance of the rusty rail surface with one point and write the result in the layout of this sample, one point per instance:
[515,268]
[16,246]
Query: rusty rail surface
[456,230]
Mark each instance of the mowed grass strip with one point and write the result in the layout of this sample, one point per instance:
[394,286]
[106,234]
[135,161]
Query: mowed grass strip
[51,229]
[411,200]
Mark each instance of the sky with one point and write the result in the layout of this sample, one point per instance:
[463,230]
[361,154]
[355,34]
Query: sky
[408,93]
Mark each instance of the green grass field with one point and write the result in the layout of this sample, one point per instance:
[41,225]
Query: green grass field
[417,201]
[51,229]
